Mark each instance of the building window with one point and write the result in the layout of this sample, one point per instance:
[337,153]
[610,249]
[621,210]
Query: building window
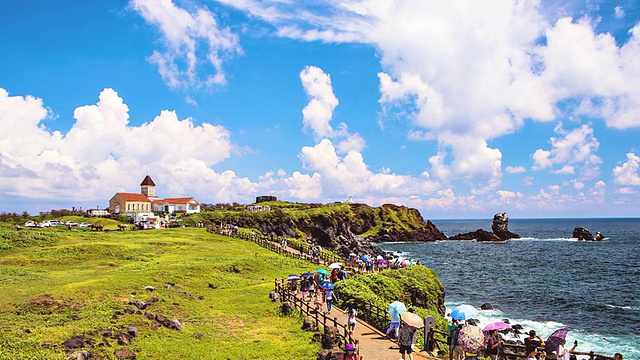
[128,207]
[193,207]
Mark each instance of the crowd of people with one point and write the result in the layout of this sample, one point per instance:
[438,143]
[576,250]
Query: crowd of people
[535,347]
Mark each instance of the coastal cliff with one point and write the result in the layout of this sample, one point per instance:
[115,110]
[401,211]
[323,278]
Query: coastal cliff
[342,227]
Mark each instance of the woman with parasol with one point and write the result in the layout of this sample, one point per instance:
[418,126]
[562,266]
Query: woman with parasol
[409,324]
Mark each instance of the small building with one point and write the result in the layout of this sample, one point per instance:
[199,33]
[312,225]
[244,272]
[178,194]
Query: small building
[187,205]
[98,212]
[147,201]
[129,203]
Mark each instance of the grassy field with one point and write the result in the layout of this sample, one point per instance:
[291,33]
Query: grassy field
[58,283]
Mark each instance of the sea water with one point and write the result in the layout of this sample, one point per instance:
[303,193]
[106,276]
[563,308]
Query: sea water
[546,279]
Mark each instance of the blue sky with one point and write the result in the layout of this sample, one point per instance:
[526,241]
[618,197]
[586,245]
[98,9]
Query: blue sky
[460,109]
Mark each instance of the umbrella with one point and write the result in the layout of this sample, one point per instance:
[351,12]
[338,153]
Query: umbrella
[352,254]
[335,265]
[395,309]
[383,261]
[411,319]
[323,271]
[365,257]
[293,277]
[379,257]
[471,339]
[498,325]
[405,263]
[554,340]
[326,285]
[307,274]
[464,312]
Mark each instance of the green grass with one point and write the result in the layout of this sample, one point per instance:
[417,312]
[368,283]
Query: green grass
[67,283]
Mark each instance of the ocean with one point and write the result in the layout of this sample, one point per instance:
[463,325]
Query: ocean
[546,280]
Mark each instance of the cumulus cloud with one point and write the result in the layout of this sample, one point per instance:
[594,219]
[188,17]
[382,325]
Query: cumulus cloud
[185,35]
[102,153]
[575,147]
[627,172]
[515,169]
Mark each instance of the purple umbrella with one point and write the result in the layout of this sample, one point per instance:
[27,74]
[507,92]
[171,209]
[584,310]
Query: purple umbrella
[498,325]
[555,339]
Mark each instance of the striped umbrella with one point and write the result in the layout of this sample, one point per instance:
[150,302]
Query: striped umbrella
[555,339]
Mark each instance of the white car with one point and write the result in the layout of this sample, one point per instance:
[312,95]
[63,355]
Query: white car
[71,223]
[30,223]
[84,225]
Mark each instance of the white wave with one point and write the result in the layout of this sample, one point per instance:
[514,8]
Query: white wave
[634,308]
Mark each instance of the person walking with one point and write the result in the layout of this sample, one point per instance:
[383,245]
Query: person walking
[329,297]
[351,319]
[406,338]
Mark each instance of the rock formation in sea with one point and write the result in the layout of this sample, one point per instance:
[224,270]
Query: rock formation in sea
[582,233]
[500,228]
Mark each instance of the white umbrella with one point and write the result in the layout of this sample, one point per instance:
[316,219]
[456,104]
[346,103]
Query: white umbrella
[464,312]
[335,265]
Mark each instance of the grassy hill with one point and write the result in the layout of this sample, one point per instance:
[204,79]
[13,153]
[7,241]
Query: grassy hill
[58,283]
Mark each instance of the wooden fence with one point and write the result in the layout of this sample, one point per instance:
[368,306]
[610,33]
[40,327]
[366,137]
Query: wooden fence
[346,337]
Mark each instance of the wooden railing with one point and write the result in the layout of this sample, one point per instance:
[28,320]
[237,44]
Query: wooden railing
[346,337]
[273,243]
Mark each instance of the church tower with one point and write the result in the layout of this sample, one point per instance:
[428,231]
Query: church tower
[148,188]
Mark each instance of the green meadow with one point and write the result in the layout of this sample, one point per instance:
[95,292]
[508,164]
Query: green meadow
[58,283]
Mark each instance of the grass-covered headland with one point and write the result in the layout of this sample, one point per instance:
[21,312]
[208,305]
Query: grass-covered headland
[56,284]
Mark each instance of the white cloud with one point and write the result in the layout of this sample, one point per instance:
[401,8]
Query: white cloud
[627,173]
[578,185]
[515,169]
[319,111]
[185,35]
[576,147]
[618,12]
[102,153]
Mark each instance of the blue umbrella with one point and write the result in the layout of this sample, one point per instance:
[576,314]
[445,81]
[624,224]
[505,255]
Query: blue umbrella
[307,274]
[365,257]
[395,309]
[326,285]
[464,312]
[323,271]
[293,277]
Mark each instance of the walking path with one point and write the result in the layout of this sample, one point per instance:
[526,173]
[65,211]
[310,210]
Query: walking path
[372,343]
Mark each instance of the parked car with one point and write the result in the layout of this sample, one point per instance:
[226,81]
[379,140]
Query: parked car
[30,223]
[146,225]
[84,224]
[71,223]
[45,223]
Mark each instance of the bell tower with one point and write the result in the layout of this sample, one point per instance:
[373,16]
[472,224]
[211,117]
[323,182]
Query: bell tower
[148,188]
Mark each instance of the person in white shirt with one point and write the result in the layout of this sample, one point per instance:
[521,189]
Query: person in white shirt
[564,353]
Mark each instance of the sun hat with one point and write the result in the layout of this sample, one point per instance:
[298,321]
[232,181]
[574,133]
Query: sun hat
[350,347]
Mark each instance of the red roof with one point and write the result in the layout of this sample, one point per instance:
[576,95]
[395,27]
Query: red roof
[178,200]
[133,197]
[147,181]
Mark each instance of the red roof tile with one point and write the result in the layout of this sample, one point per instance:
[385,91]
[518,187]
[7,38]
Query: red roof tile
[178,200]
[133,197]
[147,181]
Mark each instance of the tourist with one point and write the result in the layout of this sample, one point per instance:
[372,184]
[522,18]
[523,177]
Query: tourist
[293,286]
[304,288]
[452,338]
[617,356]
[534,339]
[334,275]
[351,319]
[493,345]
[350,353]
[312,287]
[342,274]
[394,325]
[564,353]
[329,297]
[406,338]
[318,302]
[532,352]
